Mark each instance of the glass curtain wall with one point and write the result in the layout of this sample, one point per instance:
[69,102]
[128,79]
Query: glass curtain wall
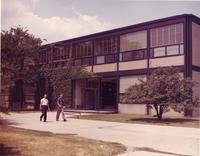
[167,40]
[133,46]
[105,50]
[82,53]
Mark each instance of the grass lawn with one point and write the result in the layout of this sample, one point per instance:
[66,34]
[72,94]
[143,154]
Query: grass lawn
[22,142]
[144,119]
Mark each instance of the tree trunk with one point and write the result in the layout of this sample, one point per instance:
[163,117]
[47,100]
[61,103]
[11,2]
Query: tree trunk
[159,111]
[156,108]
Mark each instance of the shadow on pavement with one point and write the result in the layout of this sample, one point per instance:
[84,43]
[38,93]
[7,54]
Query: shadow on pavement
[167,120]
[8,151]
[147,149]
[8,122]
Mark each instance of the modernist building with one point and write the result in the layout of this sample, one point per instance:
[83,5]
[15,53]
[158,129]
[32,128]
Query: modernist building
[120,56]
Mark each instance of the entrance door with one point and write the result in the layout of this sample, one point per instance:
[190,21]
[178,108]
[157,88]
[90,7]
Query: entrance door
[91,98]
[86,94]
[109,93]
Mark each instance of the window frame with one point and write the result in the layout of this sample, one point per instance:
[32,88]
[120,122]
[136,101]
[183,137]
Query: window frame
[166,55]
[131,33]
[144,55]
[173,31]
[105,45]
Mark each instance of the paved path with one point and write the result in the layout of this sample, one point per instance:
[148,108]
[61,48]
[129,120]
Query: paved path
[141,140]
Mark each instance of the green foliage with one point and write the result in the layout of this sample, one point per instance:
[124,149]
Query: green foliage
[164,89]
[60,78]
[18,56]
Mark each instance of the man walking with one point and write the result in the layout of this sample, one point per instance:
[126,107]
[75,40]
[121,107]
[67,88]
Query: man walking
[61,107]
[44,106]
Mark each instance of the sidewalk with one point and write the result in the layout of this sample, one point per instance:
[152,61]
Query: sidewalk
[141,140]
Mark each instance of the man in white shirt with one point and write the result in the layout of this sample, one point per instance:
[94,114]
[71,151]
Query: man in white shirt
[44,106]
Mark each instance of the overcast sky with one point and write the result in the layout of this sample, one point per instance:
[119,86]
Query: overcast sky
[57,20]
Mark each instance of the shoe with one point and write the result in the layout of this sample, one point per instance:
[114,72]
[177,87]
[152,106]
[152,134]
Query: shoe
[64,120]
[40,119]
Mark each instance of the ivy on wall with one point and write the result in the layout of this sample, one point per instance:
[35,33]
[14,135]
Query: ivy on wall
[58,80]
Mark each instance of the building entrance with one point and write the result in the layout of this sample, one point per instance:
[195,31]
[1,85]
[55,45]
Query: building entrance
[109,93]
[95,94]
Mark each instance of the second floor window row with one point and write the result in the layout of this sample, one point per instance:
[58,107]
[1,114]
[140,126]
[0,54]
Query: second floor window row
[132,44]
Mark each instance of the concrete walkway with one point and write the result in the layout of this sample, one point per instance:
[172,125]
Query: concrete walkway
[141,140]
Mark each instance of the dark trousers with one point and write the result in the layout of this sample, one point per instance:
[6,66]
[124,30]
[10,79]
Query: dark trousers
[60,110]
[44,113]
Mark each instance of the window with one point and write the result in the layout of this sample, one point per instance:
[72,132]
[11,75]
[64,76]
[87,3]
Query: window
[62,64]
[78,51]
[77,62]
[59,53]
[167,51]
[100,59]
[43,56]
[55,65]
[62,53]
[179,33]
[160,36]
[110,58]
[54,54]
[50,55]
[127,56]
[159,52]
[167,40]
[133,55]
[87,49]
[172,33]
[83,49]
[107,45]
[167,35]
[133,41]
[140,54]
[86,61]
[181,49]
[151,53]
[66,52]
[173,50]
[120,57]
[51,65]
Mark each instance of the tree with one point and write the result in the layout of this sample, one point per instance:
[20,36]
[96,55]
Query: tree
[165,89]
[18,57]
[60,78]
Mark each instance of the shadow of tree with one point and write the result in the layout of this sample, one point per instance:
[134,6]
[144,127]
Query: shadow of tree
[8,122]
[8,151]
[164,120]
[157,151]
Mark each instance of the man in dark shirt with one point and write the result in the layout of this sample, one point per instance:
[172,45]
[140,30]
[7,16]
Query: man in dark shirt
[61,107]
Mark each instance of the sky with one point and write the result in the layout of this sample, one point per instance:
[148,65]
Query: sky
[56,20]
